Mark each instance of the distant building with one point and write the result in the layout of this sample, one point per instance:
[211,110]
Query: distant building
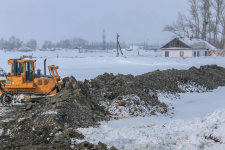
[25,49]
[133,47]
[187,47]
[79,47]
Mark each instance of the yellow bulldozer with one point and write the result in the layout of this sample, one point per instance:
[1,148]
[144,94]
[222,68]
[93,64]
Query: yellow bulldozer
[22,84]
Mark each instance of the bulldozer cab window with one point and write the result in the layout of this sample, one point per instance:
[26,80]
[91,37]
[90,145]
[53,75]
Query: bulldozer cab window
[29,72]
[18,69]
[2,72]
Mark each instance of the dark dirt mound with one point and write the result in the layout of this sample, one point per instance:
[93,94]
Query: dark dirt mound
[209,76]
[111,86]
[52,123]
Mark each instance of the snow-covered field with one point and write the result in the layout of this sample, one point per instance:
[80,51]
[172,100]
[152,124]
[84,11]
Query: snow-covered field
[182,131]
[92,63]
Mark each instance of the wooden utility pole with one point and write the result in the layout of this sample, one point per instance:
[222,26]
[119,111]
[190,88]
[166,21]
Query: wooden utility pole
[118,46]
[224,37]
[79,46]
[147,45]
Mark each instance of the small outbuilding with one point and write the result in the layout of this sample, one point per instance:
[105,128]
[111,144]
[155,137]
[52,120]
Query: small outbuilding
[25,49]
[187,47]
[133,47]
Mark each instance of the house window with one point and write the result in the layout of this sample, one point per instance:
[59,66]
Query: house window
[206,53]
[166,53]
[196,54]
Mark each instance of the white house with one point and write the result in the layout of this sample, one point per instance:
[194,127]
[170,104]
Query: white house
[187,47]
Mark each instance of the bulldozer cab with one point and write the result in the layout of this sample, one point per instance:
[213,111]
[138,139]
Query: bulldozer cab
[22,68]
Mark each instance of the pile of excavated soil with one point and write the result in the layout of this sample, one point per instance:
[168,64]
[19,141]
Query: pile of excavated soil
[53,123]
[112,90]
[146,85]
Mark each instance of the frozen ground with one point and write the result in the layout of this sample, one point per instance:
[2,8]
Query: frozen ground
[207,133]
[182,131]
[3,111]
[186,130]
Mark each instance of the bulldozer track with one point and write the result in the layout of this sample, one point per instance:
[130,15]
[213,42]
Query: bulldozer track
[25,93]
[40,97]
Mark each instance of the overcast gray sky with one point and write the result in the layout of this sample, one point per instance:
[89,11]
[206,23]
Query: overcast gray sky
[135,20]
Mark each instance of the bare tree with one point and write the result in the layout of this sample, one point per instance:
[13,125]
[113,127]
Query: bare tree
[14,43]
[206,14]
[32,44]
[221,19]
[194,21]
[48,44]
[65,44]
[2,43]
[217,5]
[179,27]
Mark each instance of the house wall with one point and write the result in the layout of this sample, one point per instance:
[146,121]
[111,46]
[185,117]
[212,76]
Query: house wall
[187,53]
[201,53]
[176,53]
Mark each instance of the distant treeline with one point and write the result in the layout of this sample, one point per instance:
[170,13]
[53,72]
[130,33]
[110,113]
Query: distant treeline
[79,42]
[14,43]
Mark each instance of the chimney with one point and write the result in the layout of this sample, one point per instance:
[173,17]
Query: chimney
[191,38]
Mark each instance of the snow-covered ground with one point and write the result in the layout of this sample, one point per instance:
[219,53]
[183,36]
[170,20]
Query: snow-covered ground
[182,131]
[92,63]
[185,130]
[207,133]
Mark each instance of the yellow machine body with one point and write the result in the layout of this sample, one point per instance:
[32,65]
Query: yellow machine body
[22,78]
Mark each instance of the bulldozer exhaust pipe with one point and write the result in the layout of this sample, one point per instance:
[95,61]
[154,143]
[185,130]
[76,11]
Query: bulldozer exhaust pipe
[45,66]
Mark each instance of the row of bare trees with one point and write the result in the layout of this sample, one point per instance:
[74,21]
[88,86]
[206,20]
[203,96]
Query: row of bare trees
[75,42]
[205,20]
[67,43]
[14,43]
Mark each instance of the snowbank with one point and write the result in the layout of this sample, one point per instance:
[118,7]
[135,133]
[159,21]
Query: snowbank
[207,133]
